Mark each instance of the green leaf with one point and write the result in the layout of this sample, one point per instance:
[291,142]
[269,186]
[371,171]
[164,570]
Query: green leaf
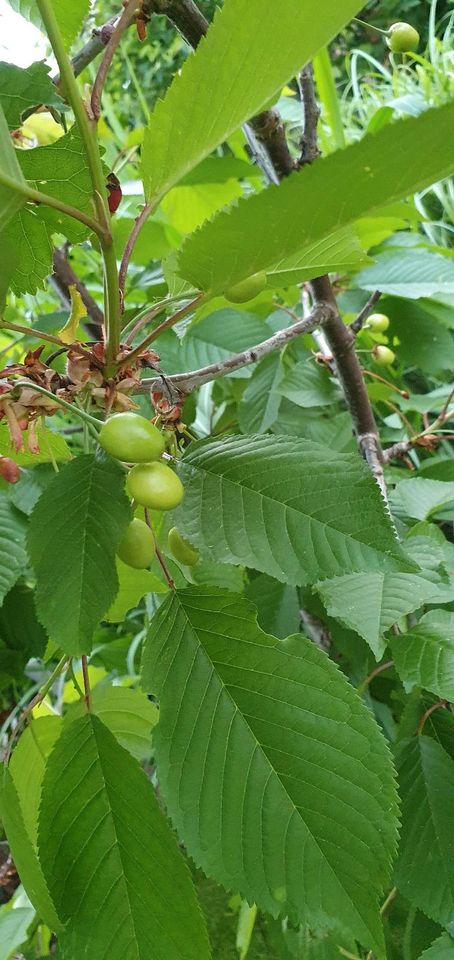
[255,737]
[420,498]
[75,530]
[24,852]
[60,170]
[29,488]
[352,182]
[133,585]
[261,400]
[10,200]
[409,273]
[309,385]
[69,16]
[245,928]
[278,608]
[224,83]
[27,237]
[441,949]
[19,628]
[423,342]
[52,447]
[13,558]
[129,715]
[288,507]
[425,868]
[337,253]
[371,603]
[424,657]
[14,926]
[23,88]
[27,767]
[317,425]
[112,864]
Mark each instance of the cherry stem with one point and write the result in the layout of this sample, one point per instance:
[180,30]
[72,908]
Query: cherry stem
[371,26]
[159,555]
[428,713]
[374,673]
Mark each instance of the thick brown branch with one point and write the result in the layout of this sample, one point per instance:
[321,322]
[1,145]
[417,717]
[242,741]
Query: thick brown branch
[342,344]
[340,338]
[63,277]
[184,14]
[179,385]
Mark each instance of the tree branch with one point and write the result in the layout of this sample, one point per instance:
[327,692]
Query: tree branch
[267,126]
[341,339]
[127,18]
[342,344]
[309,145]
[358,324]
[63,277]
[180,385]
[184,14]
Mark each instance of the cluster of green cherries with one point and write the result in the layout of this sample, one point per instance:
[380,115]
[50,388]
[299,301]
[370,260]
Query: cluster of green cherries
[379,323]
[152,484]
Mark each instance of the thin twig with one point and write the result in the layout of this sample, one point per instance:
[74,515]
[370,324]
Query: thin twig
[168,322]
[130,243]
[127,18]
[429,712]
[309,145]
[36,700]
[374,673]
[182,384]
[357,324]
[49,338]
[87,691]
[142,322]
[402,447]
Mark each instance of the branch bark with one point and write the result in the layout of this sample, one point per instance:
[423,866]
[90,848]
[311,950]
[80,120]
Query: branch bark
[179,385]
[309,144]
[358,324]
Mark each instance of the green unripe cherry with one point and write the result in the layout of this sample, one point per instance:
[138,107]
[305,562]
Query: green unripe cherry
[137,547]
[131,438]
[383,355]
[402,38]
[181,549]
[377,323]
[247,289]
[155,485]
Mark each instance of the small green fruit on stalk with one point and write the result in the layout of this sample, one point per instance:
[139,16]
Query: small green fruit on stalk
[137,547]
[383,356]
[377,323]
[131,438]
[155,485]
[402,38]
